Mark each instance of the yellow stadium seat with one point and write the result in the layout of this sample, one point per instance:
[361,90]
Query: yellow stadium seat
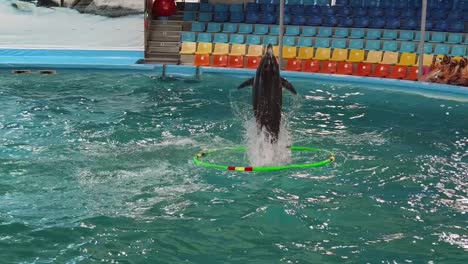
[374,56]
[237,50]
[322,54]
[305,53]
[276,51]
[390,57]
[255,51]
[339,55]
[188,48]
[407,59]
[221,49]
[289,52]
[427,59]
[204,48]
[356,55]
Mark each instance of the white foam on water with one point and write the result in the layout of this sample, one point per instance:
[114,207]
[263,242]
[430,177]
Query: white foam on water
[262,152]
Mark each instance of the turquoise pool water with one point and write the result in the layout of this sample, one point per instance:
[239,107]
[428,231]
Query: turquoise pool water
[98,168]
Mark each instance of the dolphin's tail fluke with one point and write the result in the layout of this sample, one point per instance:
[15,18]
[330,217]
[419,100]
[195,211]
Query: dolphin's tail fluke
[287,85]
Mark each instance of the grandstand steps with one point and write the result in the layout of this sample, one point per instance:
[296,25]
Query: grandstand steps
[163,45]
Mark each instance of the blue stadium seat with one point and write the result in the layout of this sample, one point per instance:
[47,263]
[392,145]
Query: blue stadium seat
[374,34]
[292,31]
[341,33]
[252,7]
[417,36]
[274,30]
[253,40]
[455,15]
[189,16]
[251,17]
[234,8]
[390,34]
[324,32]
[440,25]
[454,38]
[270,40]
[409,23]
[236,17]
[304,42]
[245,28]
[230,28]
[392,12]
[237,39]
[312,10]
[267,8]
[456,26]
[308,2]
[441,49]
[221,16]
[221,8]
[213,27]
[328,10]
[345,11]
[408,47]
[347,22]
[289,41]
[438,37]
[428,48]
[308,31]
[428,25]
[286,19]
[267,18]
[406,35]
[329,21]
[438,15]
[342,2]
[355,3]
[372,45]
[205,7]
[220,38]
[322,42]
[204,37]
[338,43]
[401,4]
[390,46]
[356,44]
[191,7]
[323,2]
[359,12]
[407,13]
[261,29]
[375,12]
[205,16]
[296,10]
[377,22]
[357,33]
[458,50]
[298,20]
[392,23]
[361,22]
[198,27]
[188,37]
[314,21]
[293,2]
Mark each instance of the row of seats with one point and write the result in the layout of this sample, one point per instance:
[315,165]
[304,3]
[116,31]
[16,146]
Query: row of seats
[451,25]
[435,37]
[439,49]
[315,66]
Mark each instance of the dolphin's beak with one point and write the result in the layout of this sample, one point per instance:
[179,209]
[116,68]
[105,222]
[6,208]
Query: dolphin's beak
[269,51]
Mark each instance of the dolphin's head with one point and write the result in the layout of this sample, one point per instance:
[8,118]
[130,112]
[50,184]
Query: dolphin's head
[269,63]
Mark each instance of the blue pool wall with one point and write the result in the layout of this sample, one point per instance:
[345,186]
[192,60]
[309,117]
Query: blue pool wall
[126,61]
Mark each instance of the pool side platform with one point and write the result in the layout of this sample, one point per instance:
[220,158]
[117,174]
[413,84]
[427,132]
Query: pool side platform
[127,61]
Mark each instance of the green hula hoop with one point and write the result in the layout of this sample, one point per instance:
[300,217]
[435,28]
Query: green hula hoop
[197,160]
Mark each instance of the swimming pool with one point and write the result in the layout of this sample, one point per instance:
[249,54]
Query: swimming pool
[98,168]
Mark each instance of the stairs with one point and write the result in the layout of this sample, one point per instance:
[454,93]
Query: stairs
[164,42]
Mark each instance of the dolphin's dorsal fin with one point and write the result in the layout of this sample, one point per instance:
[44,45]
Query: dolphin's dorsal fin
[248,82]
[287,85]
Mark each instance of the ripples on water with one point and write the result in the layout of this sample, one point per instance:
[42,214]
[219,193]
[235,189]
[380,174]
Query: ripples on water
[97,168]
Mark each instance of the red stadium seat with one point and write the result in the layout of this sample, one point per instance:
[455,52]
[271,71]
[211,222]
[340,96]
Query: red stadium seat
[413,74]
[311,66]
[364,69]
[236,61]
[202,60]
[294,65]
[220,60]
[328,67]
[398,72]
[252,62]
[345,67]
[381,70]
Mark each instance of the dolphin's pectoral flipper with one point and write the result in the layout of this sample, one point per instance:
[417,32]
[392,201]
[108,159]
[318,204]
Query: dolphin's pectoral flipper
[248,82]
[287,85]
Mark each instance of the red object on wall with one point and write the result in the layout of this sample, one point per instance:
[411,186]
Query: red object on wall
[164,7]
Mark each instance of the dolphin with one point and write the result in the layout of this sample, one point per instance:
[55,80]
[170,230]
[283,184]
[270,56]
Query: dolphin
[268,95]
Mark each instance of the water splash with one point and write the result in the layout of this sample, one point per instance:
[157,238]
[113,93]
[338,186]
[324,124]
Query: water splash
[260,151]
